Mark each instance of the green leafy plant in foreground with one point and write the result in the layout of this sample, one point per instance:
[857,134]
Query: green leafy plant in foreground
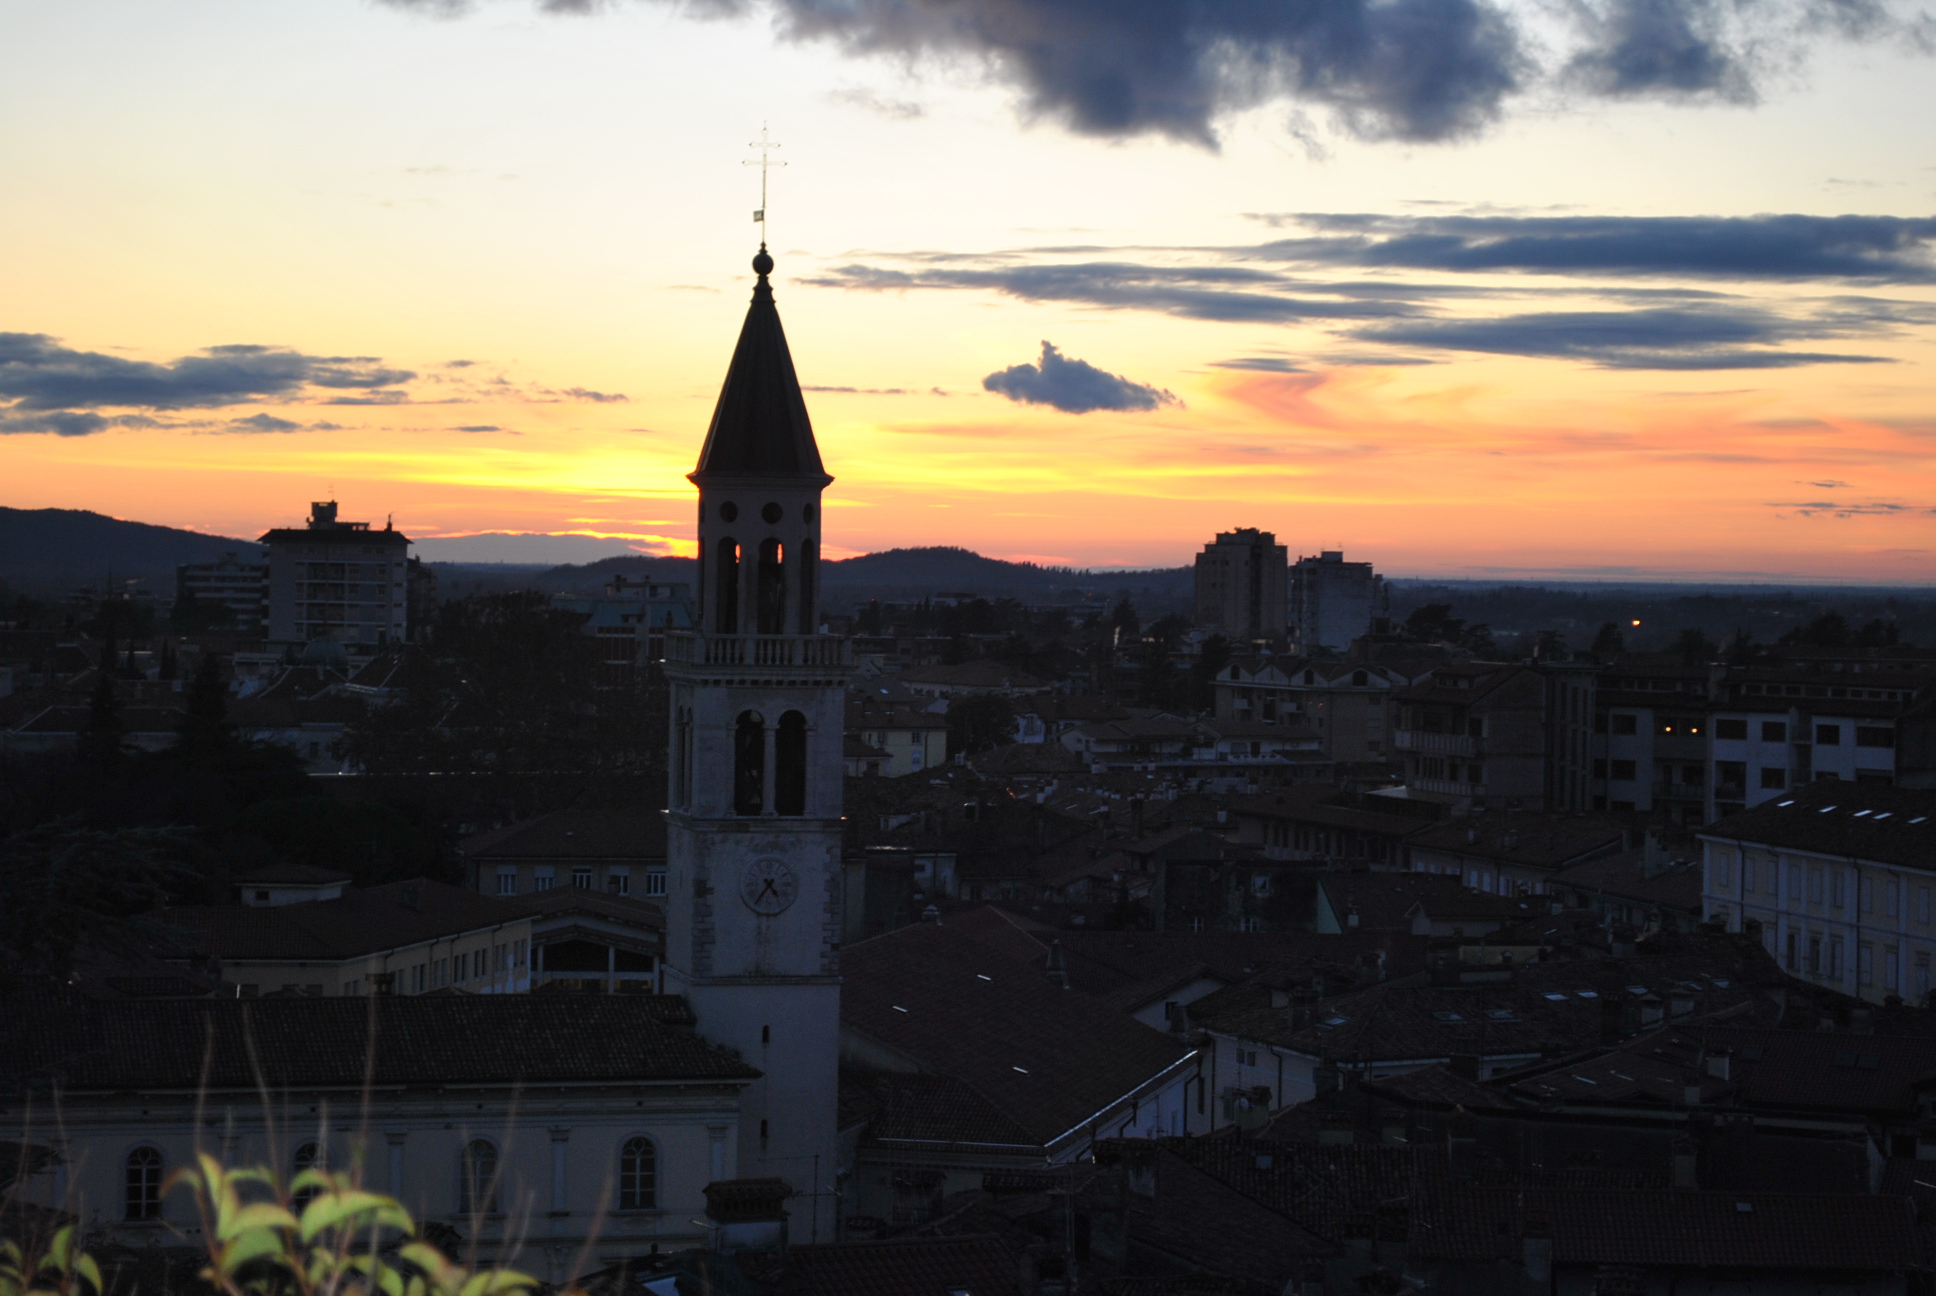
[322,1235]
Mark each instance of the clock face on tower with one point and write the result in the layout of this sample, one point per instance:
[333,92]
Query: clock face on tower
[768,886]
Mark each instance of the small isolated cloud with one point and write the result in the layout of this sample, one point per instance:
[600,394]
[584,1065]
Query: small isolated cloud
[1073,386]
[864,391]
[478,427]
[868,101]
[1827,485]
[597,397]
[1873,508]
[263,423]
[1260,364]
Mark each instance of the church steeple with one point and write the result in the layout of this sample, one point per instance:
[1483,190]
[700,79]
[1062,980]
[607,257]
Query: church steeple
[760,426]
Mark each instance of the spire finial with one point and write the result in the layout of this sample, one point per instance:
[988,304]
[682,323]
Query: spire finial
[762,263]
[765,163]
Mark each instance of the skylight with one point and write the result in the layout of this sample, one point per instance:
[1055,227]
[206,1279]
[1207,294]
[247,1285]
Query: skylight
[1918,819]
[980,976]
[1556,996]
[1448,1016]
[1500,1014]
[1587,994]
[1639,990]
[898,1008]
[1825,809]
[1883,814]
[1334,1022]
[1023,1070]
[1860,814]
[1784,803]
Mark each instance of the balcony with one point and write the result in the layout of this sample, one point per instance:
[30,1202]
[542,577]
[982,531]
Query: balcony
[759,652]
[1437,744]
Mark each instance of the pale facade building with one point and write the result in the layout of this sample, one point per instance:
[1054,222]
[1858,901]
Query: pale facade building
[1838,880]
[336,580]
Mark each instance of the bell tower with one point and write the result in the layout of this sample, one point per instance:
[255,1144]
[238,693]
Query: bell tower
[753,900]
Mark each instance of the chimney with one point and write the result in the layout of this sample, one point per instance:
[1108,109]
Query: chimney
[747,1215]
[1685,1165]
[1058,964]
[1536,1248]
[1462,1144]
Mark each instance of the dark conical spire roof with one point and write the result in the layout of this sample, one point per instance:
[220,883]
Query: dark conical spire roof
[760,426]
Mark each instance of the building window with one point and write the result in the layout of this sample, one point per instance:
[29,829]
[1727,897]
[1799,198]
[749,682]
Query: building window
[142,1196]
[417,978]
[619,882]
[1773,776]
[1891,972]
[1865,736]
[1815,885]
[638,1175]
[544,877]
[581,879]
[1838,889]
[1789,960]
[749,764]
[655,882]
[1828,735]
[1865,893]
[477,1179]
[1736,730]
[790,765]
[1623,770]
[1865,963]
[1625,723]
[1747,873]
[507,881]
[1922,904]
[1774,731]
[308,1157]
[1720,872]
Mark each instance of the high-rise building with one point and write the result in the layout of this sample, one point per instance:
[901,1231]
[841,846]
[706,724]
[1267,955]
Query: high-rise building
[338,580]
[1334,602]
[234,590]
[1240,584]
[753,878]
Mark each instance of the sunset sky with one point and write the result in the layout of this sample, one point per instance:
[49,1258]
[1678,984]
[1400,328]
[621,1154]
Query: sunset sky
[1611,288]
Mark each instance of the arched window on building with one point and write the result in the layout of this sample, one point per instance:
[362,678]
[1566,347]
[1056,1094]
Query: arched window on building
[142,1196]
[804,585]
[308,1157]
[749,764]
[477,1179]
[638,1175]
[790,765]
[772,585]
[726,605]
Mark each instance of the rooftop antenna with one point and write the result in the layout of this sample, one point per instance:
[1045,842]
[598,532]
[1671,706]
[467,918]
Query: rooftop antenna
[765,163]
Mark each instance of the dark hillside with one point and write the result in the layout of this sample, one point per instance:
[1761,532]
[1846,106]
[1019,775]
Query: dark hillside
[48,551]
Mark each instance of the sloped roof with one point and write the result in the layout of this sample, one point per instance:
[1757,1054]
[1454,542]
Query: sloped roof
[290,874]
[360,921]
[1869,821]
[305,1043]
[573,834]
[1533,839]
[908,1266]
[1041,1055]
[760,426]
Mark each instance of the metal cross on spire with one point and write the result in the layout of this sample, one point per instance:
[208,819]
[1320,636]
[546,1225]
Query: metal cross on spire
[764,162]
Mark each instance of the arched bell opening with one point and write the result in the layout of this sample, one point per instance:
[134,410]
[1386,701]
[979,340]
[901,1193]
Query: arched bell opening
[749,764]
[790,765]
[772,587]
[726,620]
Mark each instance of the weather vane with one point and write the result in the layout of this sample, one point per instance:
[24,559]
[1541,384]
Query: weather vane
[764,162]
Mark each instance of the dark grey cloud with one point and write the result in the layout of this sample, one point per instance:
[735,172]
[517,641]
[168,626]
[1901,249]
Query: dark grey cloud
[596,397]
[263,423]
[46,387]
[1865,248]
[37,373]
[1873,508]
[1073,386]
[1230,294]
[1418,70]
[1260,364]
[1665,338]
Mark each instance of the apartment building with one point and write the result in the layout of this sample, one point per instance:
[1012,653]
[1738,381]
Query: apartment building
[338,580]
[1481,735]
[1333,602]
[1348,704]
[1694,743]
[1241,585]
[234,589]
[1839,881]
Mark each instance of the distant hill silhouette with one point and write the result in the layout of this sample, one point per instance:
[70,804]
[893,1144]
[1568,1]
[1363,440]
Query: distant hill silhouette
[47,551]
